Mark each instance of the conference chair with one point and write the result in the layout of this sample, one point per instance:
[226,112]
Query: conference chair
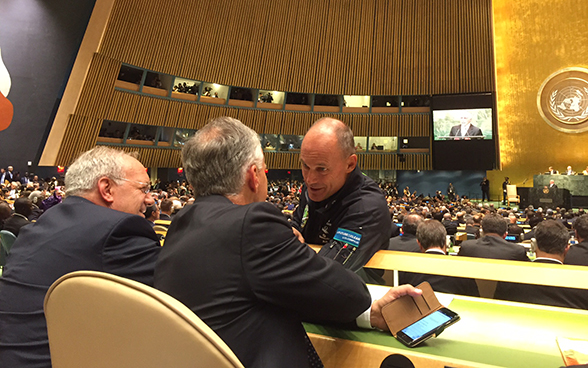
[511,194]
[6,240]
[96,319]
[159,228]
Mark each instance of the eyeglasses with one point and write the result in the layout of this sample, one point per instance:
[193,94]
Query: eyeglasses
[146,187]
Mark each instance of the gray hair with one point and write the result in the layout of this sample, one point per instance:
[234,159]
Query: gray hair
[83,175]
[218,156]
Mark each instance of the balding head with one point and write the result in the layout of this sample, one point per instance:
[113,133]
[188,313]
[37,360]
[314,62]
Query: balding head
[411,223]
[327,156]
[336,132]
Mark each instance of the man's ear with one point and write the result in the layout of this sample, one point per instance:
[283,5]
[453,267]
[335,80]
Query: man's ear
[351,163]
[251,178]
[566,250]
[421,246]
[105,187]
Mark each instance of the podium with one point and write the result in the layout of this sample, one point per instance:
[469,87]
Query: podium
[549,198]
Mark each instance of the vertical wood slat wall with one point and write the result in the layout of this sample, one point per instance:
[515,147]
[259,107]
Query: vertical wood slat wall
[354,47]
[361,47]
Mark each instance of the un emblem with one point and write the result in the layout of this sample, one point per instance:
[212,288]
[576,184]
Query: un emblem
[563,100]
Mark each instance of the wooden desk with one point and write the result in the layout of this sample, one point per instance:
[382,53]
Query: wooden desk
[490,333]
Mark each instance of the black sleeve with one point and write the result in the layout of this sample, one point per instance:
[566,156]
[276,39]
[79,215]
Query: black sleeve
[372,222]
[131,250]
[285,272]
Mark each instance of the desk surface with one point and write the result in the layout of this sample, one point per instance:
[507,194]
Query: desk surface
[490,332]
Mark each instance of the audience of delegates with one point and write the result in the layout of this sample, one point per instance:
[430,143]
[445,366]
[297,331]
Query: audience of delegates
[552,246]
[40,200]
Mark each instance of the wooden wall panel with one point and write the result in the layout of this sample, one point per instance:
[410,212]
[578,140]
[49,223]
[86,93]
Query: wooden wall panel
[79,137]
[357,47]
[361,47]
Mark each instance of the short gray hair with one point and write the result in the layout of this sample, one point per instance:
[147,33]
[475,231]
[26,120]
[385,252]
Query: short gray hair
[83,175]
[218,156]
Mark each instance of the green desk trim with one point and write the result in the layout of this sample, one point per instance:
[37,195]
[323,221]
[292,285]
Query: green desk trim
[490,332]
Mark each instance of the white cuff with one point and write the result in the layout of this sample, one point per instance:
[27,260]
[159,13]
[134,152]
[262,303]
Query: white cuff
[376,292]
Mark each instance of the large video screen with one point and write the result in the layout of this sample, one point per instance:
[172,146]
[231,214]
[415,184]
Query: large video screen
[462,124]
[464,132]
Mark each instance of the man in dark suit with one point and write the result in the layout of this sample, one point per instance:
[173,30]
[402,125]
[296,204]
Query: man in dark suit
[466,128]
[450,225]
[485,186]
[492,244]
[431,238]
[23,207]
[166,209]
[407,242]
[578,253]
[473,226]
[99,226]
[552,184]
[234,260]
[552,245]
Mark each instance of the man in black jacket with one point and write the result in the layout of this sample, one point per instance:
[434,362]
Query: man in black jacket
[492,244]
[99,227]
[408,241]
[431,238]
[578,253]
[338,201]
[552,245]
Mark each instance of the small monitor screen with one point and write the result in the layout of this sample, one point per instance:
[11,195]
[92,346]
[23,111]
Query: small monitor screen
[462,124]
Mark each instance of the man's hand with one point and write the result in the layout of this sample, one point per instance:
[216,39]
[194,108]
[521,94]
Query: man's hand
[298,235]
[376,318]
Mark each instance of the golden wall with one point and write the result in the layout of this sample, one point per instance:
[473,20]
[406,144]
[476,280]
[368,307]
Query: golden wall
[347,47]
[534,39]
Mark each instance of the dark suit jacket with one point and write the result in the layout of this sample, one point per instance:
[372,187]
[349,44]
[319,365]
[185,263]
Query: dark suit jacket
[541,294]
[444,284]
[472,131]
[165,216]
[245,274]
[450,226]
[405,243]
[74,235]
[490,246]
[578,254]
[14,223]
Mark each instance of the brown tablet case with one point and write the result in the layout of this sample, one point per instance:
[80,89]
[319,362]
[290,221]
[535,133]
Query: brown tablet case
[406,310]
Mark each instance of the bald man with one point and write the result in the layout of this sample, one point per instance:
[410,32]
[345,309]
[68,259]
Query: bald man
[340,208]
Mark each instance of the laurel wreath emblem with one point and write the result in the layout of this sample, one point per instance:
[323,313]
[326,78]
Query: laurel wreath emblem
[555,110]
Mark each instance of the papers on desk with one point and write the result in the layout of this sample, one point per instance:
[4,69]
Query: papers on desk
[573,351]
[444,299]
